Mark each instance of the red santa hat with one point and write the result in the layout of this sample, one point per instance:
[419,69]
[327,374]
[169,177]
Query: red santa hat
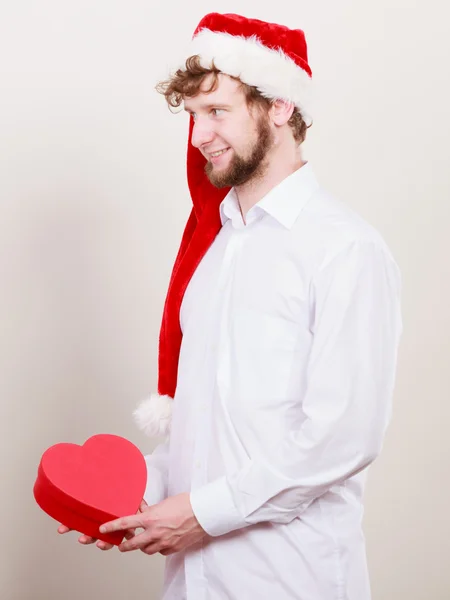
[274,59]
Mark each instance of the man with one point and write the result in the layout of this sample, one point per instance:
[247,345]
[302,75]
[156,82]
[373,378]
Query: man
[278,344]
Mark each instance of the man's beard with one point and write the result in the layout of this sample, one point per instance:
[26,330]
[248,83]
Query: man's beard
[242,170]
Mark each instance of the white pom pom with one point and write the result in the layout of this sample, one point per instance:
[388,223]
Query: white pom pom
[154,415]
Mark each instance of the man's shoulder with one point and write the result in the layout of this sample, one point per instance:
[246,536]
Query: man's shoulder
[329,225]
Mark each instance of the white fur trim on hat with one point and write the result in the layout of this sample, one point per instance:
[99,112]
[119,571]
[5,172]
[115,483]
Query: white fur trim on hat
[154,415]
[272,72]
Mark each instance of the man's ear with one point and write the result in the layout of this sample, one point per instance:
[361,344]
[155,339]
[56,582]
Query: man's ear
[281,111]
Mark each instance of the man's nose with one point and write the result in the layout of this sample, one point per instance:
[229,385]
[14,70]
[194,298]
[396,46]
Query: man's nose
[202,133]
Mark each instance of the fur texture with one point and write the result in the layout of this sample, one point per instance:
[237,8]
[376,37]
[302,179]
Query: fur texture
[154,415]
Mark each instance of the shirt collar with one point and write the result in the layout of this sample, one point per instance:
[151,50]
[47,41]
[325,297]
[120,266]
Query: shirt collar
[284,202]
[229,208]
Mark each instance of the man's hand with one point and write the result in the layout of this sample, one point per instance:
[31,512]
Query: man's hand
[87,540]
[169,527]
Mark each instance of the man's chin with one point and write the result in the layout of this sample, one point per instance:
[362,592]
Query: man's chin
[218,182]
[218,177]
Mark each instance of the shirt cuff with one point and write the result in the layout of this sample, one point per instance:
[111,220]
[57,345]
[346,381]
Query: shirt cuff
[214,508]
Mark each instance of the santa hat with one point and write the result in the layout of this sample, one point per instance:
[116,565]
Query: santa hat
[274,59]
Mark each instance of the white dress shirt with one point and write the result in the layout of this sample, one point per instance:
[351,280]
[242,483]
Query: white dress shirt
[291,325]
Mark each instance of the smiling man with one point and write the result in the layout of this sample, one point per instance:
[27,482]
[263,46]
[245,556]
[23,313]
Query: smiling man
[278,344]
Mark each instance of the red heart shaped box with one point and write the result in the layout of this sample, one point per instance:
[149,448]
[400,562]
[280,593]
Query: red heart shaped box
[85,486]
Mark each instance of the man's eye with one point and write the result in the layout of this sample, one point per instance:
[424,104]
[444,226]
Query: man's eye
[217,110]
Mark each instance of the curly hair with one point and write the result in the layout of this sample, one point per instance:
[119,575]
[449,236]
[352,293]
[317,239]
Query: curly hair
[187,83]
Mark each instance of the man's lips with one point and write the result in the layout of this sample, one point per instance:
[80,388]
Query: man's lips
[211,152]
[215,158]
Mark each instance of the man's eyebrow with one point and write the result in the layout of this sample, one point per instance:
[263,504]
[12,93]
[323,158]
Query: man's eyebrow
[209,105]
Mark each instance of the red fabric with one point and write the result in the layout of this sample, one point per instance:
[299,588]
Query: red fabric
[291,41]
[202,227]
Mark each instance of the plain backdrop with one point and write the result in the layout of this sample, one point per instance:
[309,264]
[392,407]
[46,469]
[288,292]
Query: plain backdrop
[93,200]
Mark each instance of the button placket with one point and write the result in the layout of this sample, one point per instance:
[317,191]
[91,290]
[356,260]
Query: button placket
[220,303]
[203,413]
[195,582]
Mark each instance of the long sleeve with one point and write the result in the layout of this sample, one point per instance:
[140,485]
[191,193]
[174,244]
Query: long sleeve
[157,470]
[356,328]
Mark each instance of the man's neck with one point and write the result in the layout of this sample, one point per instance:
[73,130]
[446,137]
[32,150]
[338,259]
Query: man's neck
[276,169]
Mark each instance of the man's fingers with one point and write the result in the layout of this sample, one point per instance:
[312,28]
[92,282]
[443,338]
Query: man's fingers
[154,548]
[137,542]
[83,539]
[122,524]
[63,529]
[130,534]
[125,523]
[104,545]
[86,539]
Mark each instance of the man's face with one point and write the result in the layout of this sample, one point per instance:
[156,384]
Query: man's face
[224,124]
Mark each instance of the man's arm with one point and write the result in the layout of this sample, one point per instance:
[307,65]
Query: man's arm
[347,405]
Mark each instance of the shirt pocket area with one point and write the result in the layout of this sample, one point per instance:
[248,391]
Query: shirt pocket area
[262,331]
